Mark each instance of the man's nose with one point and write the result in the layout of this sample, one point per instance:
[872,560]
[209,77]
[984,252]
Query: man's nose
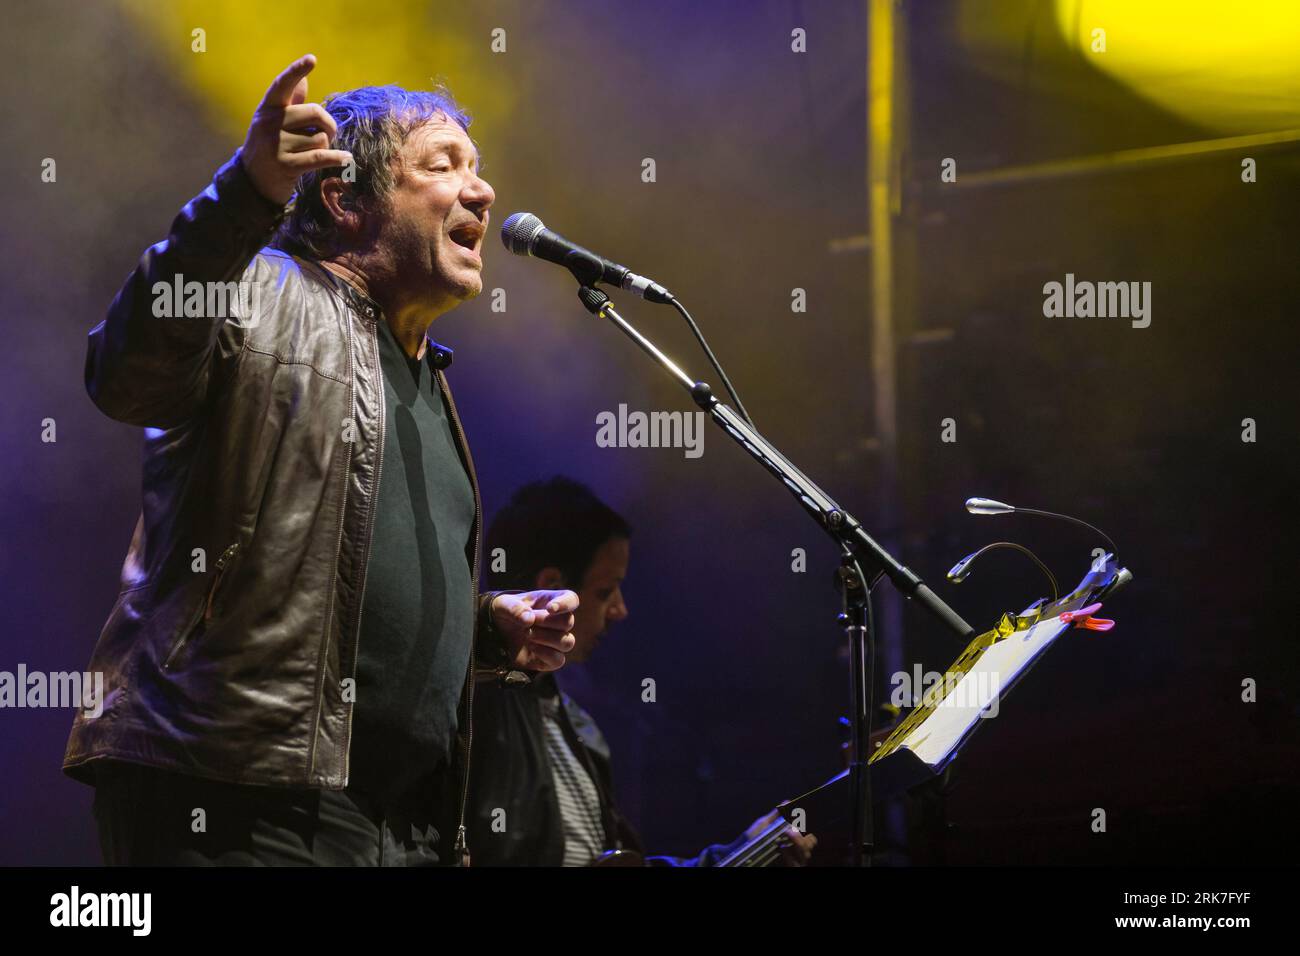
[618,610]
[478,194]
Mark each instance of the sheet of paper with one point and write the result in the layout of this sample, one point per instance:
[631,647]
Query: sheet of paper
[976,695]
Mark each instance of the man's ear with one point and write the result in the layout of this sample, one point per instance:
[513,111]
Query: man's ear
[341,203]
[548,579]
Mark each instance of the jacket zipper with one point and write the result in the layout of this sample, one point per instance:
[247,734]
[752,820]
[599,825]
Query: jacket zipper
[222,563]
[338,553]
[204,611]
[462,846]
[370,530]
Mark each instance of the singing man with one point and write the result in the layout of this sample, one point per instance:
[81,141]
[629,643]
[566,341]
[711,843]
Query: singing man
[289,662]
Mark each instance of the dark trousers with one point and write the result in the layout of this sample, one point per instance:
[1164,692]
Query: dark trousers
[152,817]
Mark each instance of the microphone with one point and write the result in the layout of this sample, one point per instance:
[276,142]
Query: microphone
[526,235]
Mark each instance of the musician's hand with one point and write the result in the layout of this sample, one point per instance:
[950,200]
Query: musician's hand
[289,136]
[537,627]
[796,847]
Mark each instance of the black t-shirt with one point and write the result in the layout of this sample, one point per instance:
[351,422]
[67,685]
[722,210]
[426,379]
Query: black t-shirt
[417,623]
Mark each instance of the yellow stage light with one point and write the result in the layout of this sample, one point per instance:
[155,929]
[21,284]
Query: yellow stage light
[247,42]
[1230,65]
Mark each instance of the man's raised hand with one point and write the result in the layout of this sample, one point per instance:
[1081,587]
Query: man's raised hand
[289,136]
[537,627]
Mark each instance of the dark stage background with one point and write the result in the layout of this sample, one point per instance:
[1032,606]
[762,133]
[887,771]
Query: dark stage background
[760,157]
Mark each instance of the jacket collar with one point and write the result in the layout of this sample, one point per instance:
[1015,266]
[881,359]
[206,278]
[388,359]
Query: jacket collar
[439,356]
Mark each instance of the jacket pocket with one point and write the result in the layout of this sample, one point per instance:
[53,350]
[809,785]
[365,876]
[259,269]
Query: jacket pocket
[203,613]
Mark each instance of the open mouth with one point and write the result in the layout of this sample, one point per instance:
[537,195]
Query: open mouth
[467,236]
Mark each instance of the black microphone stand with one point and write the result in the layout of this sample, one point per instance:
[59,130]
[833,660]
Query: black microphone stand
[863,562]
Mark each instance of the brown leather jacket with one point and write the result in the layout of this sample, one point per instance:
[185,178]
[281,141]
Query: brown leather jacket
[263,448]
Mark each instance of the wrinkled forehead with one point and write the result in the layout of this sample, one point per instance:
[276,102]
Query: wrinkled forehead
[440,134]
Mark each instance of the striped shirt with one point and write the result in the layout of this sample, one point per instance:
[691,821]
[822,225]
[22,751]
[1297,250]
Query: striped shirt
[584,834]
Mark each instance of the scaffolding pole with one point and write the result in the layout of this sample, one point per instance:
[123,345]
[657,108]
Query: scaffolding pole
[883,190]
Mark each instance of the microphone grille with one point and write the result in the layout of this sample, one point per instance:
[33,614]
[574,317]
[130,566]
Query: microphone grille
[518,232]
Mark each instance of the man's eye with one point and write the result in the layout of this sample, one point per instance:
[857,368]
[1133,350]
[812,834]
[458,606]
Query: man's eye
[605,595]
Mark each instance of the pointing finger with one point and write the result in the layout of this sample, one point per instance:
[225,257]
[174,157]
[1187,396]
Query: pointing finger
[285,88]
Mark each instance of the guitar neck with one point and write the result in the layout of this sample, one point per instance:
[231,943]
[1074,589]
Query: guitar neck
[763,850]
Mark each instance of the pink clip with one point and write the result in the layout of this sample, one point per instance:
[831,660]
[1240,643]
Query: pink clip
[1083,618]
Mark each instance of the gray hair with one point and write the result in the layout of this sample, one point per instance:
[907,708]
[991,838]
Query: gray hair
[373,123]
